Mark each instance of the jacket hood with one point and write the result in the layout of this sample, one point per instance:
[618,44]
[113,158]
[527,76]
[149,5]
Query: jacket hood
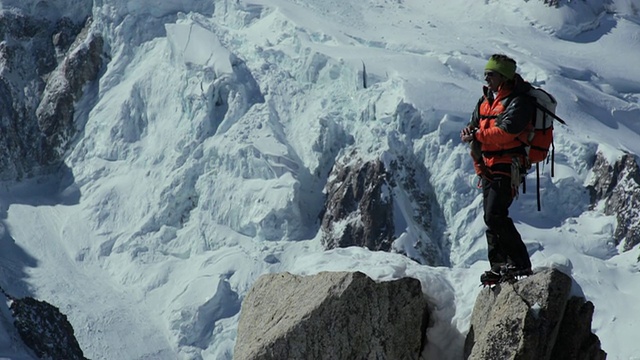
[520,85]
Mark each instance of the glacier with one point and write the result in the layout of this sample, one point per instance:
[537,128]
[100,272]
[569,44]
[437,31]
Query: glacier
[203,150]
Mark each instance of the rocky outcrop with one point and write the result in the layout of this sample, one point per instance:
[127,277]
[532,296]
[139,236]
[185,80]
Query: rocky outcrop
[421,212]
[575,339]
[376,202]
[534,319]
[65,87]
[618,185]
[331,315]
[44,329]
[359,206]
[44,68]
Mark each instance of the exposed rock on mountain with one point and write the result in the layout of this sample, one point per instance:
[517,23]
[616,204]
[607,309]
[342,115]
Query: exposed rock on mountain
[44,67]
[533,318]
[367,199]
[332,315]
[359,206]
[415,195]
[55,113]
[44,329]
[575,339]
[618,185]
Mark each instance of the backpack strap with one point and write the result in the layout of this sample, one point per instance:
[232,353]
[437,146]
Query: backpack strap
[518,150]
[480,101]
[546,111]
[538,185]
[524,144]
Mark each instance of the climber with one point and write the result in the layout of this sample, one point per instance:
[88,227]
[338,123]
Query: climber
[497,133]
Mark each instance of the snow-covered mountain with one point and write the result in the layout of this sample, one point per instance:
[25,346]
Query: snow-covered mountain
[197,159]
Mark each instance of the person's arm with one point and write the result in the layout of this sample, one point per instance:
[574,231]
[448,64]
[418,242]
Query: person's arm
[467,133]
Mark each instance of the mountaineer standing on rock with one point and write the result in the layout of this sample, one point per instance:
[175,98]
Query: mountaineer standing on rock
[498,133]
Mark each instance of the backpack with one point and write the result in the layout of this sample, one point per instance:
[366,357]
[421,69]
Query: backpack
[541,137]
[540,140]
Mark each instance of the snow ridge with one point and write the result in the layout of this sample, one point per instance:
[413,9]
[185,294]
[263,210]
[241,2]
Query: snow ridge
[202,163]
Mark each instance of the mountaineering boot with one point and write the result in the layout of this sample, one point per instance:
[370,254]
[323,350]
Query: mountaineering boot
[513,270]
[503,273]
[493,276]
[510,273]
[489,278]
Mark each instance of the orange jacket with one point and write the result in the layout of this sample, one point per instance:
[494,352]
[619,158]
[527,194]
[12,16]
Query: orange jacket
[503,123]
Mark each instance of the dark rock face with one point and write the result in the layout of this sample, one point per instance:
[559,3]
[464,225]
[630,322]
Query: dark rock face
[575,339]
[332,315]
[44,67]
[618,185]
[432,247]
[362,208]
[56,109]
[532,319]
[359,207]
[45,330]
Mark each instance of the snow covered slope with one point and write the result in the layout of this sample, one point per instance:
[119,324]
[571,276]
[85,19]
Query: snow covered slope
[202,162]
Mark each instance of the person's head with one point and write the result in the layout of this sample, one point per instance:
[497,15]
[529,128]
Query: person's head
[499,70]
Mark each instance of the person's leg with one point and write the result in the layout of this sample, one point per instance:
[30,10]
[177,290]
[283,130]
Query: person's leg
[495,251]
[506,242]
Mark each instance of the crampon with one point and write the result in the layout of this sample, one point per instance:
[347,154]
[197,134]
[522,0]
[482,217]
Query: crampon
[506,274]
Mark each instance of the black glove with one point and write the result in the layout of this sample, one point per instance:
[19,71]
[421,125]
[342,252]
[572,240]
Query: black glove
[468,134]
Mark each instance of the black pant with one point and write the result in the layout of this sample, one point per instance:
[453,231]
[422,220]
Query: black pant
[503,240]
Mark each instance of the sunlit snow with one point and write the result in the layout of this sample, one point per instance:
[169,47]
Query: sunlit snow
[202,163]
